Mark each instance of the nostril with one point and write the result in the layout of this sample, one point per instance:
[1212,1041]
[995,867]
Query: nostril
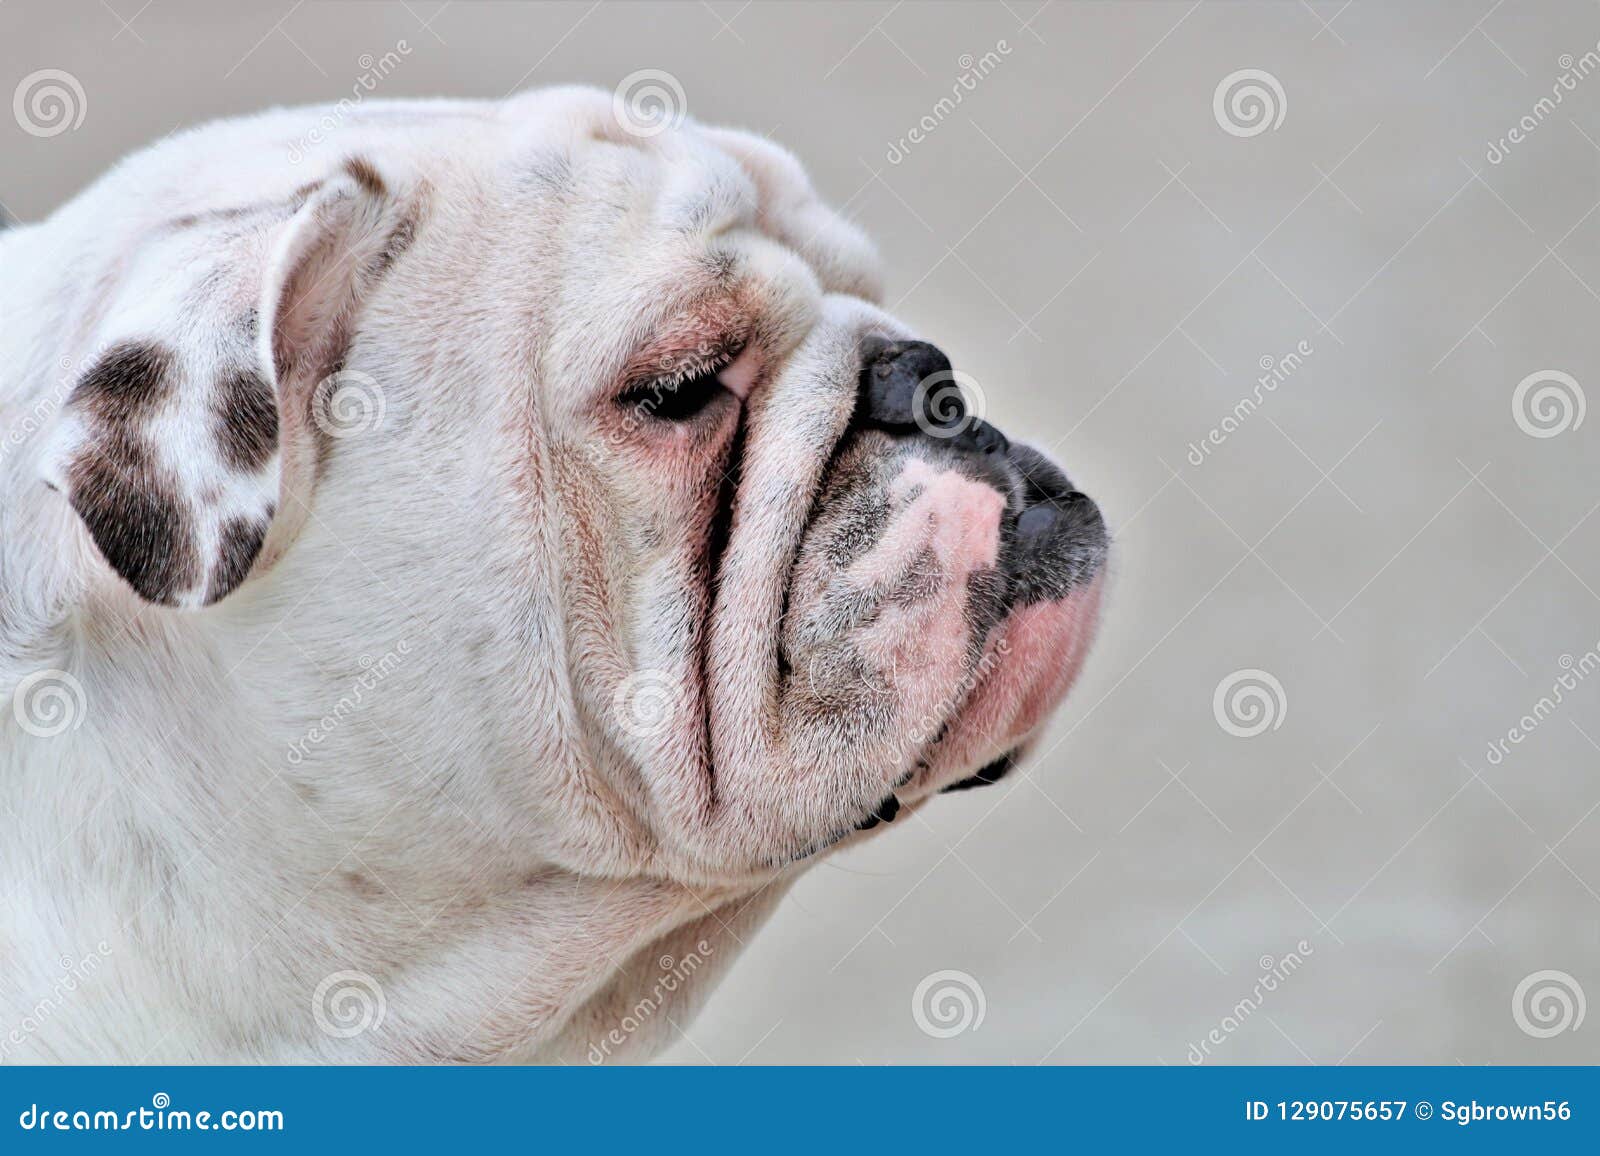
[988,439]
[891,374]
[1043,480]
[1037,521]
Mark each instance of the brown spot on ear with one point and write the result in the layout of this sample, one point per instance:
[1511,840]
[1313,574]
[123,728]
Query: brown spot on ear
[130,380]
[365,175]
[236,552]
[247,420]
[132,512]
[398,241]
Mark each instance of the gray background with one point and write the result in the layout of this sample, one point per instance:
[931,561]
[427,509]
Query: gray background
[1111,266]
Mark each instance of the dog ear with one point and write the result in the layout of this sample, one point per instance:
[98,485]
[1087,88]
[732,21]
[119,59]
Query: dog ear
[190,424]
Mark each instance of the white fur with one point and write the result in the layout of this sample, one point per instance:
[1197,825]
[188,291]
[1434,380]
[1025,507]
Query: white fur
[480,596]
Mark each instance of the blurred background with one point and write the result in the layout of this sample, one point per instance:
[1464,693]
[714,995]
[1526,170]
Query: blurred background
[1305,294]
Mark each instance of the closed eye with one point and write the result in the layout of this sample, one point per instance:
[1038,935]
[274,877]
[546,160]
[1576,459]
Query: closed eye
[676,400]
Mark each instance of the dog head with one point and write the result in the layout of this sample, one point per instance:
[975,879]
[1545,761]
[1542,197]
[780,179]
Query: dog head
[694,560]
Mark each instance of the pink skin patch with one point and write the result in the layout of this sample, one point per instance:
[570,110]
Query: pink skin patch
[1031,661]
[966,512]
[923,642]
[739,378]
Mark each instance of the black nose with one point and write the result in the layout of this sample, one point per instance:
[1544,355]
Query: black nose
[907,386]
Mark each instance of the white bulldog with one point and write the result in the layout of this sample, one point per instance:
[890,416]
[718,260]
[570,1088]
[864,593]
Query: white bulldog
[453,575]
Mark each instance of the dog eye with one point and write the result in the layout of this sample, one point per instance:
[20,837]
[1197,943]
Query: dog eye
[676,401]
